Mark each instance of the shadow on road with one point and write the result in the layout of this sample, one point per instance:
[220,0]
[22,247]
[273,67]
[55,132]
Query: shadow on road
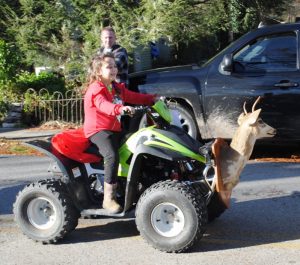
[8,197]
[270,170]
[253,223]
[111,230]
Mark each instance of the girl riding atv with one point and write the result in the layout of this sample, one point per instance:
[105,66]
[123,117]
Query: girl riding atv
[103,105]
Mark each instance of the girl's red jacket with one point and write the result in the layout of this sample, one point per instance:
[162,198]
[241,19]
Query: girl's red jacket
[100,113]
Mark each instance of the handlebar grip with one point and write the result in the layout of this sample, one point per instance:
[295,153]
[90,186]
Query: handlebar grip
[137,109]
[126,112]
[140,108]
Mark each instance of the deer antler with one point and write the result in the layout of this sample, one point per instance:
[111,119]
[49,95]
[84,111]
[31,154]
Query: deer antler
[255,103]
[244,107]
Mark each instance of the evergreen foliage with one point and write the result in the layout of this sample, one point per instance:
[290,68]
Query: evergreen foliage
[66,32]
[9,61]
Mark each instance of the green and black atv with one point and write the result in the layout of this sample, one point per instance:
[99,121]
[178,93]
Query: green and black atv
[165,175]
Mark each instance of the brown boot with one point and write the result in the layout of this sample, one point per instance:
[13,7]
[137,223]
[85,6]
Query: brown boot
[109,201]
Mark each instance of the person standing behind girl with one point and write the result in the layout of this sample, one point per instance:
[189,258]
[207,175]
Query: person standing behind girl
[103,105]
[109,44]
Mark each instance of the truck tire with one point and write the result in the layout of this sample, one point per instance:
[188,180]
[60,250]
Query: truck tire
[44,212]
[215,207]
[171,216]
[186,118]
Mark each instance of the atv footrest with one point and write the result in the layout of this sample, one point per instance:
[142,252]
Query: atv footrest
[89,212]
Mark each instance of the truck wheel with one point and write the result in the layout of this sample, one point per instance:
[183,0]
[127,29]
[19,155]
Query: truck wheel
[186,118]
[215,207]
[45,212]
[171,216]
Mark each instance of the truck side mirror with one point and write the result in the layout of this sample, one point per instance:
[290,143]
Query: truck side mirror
[227,63]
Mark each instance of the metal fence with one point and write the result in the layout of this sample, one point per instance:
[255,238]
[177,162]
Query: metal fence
[66,107]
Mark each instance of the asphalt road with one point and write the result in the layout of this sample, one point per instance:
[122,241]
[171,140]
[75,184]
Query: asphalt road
[16,171]
[261,227]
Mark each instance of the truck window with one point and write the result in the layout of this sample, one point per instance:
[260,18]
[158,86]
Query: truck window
[272,53]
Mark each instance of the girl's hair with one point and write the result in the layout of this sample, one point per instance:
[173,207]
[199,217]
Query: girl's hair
[94,67]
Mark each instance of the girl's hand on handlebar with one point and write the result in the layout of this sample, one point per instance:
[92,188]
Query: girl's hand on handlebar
[128,110]
[159,98]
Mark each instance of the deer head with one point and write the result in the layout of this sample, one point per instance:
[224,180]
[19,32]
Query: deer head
[251,127]
[252,124]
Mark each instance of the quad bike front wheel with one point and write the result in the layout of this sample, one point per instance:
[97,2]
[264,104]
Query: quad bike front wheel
[171,216]
[45,212]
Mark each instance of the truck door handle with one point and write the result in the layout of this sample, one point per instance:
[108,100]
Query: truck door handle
[286,84]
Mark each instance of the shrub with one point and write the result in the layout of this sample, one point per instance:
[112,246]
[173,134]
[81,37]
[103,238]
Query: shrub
[7,96]
[50,81]
[32,99]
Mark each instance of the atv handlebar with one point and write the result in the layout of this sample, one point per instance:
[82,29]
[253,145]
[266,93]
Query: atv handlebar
[142,108]
[137,109]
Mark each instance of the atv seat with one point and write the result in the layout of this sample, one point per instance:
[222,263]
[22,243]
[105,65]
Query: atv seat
[74,145]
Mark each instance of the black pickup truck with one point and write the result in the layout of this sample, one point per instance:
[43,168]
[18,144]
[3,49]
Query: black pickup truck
[264,62]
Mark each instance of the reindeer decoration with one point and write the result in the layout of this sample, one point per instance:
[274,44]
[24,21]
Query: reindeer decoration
[231,159]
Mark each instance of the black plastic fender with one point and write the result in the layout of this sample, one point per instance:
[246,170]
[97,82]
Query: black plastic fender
[73,173]
[46,148]
[135,166]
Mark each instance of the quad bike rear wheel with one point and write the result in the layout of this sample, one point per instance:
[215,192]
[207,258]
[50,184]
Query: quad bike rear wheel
[45,212]
[171,216]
